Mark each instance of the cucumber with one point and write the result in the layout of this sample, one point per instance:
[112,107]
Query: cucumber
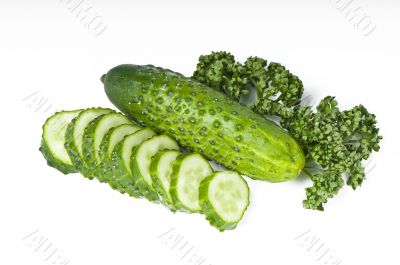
[92,137]
[74,134]
[160,170]
[224,197]
[140,163]
[53,140]
[188,172]
[205,121]
[121,160]
[110,140]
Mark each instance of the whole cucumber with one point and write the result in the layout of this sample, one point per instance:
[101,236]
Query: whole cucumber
[205,121]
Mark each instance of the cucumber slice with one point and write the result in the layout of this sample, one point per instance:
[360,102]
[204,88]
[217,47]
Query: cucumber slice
[93,136]
[53,140]
[121,157]
[74,133]
[224,197]
[140,163]
[110,140]
[160,170]
[188,172]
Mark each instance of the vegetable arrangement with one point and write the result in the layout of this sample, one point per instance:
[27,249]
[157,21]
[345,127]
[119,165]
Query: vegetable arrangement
[105,145]
[181,122]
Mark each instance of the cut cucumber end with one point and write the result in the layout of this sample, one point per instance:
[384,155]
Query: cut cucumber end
[92,138]
[188,172]
[140,163]
[121,160]
[53,141]
[224,198]
[161,170]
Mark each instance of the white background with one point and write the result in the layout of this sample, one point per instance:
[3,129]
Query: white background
[45,49]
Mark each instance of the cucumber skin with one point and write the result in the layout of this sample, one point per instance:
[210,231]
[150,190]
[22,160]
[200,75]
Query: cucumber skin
[209,211]
[53,162]
[106,170]
[90,169]
[70,142]
[123,181]
[157,183]
[205,121]
[147,191]
[71,147]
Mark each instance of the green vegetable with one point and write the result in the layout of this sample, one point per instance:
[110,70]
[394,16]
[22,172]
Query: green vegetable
[140,163]
[74,134]
[53,140]
[335,142]
[92,138]
[224,197]
[188,172]
[112,138]
[204,121]
[121,159]
[160,170]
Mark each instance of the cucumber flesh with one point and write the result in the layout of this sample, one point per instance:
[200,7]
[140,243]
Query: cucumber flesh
[74,133]
[160,170]
[53,140]
[188,172]
[120,160]
[110,140]
[141,159]
[224,197]
[92,138]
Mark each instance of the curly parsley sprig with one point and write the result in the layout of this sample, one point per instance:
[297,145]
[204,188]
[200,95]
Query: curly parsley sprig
[335,142]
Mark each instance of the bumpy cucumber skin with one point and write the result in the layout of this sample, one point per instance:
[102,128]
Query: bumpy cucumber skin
[122,174]
[90,169]
[106,168]
[146,190]
[209,211]
[163,194]
[108,173]
[205,121]
[53,162]
[123,181]
[70,145]
[47,154]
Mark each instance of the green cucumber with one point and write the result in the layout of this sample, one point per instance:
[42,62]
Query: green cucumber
[188,172]
[121,160]
[53,140]
[74,133]
[140,163]
[160,170]
[110,140]
[224,197]
[204,120]
[92,137]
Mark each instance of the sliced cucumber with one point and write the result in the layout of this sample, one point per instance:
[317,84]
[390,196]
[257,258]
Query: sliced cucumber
[141,159]
[188,172]
[74,133]
[93,136]
[121,157]
[160,170]
[110,140]
[53,140]
[224,197]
